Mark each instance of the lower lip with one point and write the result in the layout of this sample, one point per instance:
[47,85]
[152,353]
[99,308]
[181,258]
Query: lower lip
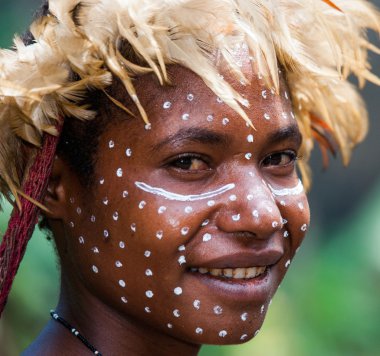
[243,290]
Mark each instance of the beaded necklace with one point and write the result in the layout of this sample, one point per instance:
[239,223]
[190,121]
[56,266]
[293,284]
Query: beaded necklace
[75,332]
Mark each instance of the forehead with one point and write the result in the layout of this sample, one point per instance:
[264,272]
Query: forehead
[188,103]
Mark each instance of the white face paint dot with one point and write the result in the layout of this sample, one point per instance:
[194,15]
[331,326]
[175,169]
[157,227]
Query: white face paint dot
[133,227]
[79,211]
[161,209]
[185,231]
[167,105]
[147,310]
[111,144]
[286,233]
[287,264]
[148,272]
[121,244]
[101,181]
[199,331]
[81,240]
[178,291]
[118,264]
[181,260]
[210,118]
[190,97]
[264,94]
[197,304]
[304,227]
[159,234]
[124,300]
[125,194]
[71,224]
[72,200]
[282,203]
[223,333]
[207,237]
[284,115]
[248,156]
[245,102]
[147,253]
[255,213]
[262,309]
[266,116]
[119,172]
[176,313]
[128,152]
[149,294]
[244,316]
[284,221]
[121,283]
[148,126]
[300,206]
[243,337]
[250,138]
[142,204]
[106,233]
[185,117]
[95,269]
[257,332]
[206,222]
[188,210]
[182,248]
[225,121]
[232,197]
[274,224]
[92,218]
[105,201]
[236,217]
[218,310]
[170,326]
[211,203]
[249,197]
[219,100]
[95,250]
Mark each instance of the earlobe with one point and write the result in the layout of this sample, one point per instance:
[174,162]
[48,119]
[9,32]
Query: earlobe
[55,198]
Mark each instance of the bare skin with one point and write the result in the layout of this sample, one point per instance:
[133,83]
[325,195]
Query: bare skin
[189,228]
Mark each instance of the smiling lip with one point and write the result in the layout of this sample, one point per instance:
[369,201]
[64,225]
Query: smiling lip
[238,277]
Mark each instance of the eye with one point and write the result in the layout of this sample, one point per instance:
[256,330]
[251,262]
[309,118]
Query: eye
[280,159]
[189,163]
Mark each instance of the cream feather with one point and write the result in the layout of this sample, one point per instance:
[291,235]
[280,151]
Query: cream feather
[319,43]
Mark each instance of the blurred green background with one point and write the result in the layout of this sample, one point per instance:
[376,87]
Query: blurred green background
[329,303]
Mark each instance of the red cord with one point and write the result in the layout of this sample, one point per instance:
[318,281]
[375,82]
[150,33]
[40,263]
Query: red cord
[22,223]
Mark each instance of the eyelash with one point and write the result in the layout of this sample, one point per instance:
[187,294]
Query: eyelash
[292,155]
[176,162]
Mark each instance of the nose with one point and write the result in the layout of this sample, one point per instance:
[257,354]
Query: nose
[250,209]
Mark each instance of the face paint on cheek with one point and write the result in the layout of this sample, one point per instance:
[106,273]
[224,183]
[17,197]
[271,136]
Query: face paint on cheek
[297,190]
[179,197]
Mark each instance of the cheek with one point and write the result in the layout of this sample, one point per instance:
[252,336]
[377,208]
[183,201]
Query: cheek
[296,217]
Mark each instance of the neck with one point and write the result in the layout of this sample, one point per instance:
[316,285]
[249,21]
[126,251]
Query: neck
[110,332]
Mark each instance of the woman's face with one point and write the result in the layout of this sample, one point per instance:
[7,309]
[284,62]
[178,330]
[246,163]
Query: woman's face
[194,221]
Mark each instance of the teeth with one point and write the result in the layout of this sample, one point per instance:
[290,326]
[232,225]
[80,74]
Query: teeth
[236,273]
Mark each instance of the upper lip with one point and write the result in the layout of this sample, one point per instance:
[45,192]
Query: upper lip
[241,259]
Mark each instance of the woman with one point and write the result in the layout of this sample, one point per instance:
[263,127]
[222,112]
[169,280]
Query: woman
[176,231]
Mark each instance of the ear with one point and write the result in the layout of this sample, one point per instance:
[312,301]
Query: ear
[56,197]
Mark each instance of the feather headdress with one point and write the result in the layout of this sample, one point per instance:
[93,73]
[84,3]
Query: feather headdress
[319,43]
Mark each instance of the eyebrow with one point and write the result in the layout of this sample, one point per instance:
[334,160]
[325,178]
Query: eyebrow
[290,132]
[193,134]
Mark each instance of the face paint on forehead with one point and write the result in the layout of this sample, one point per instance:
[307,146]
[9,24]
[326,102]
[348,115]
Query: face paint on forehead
[179,197]
[297,190]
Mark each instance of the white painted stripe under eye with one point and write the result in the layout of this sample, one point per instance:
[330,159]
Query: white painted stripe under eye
[179,197]
[298,189]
